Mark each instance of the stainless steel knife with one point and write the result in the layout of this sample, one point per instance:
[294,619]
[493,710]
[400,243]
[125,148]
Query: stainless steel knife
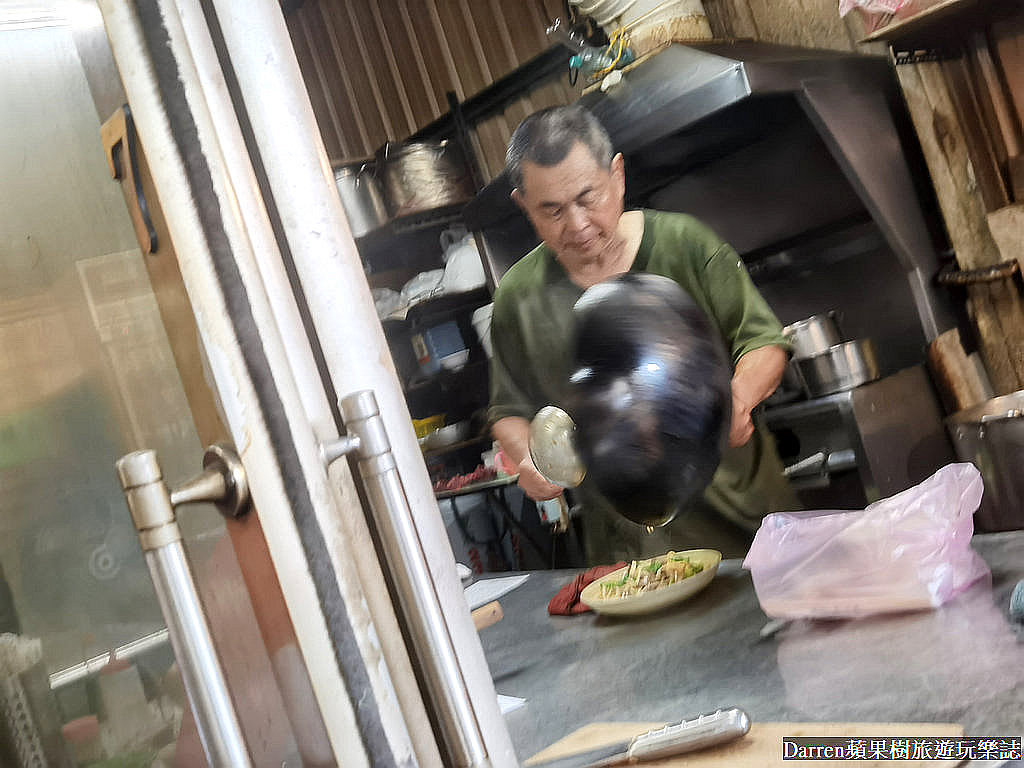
[689,735]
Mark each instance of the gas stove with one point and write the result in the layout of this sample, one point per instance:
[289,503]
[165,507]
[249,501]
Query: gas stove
[849,449]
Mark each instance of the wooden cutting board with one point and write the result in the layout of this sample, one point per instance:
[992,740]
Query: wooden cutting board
[760,748]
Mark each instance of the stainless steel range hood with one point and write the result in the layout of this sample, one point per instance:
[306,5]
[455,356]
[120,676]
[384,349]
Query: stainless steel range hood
[684,84]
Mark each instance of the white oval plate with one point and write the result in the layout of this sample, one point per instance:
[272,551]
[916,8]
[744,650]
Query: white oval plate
[655,600]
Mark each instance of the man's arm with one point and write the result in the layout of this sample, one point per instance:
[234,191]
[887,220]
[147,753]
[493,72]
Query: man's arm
[513,433]
[757,376]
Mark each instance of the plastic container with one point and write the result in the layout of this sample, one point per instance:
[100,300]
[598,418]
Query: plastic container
[424,427]
[440,346]
[482,325]
[592,60]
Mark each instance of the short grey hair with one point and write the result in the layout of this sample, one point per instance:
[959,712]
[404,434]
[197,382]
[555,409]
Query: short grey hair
[547,136]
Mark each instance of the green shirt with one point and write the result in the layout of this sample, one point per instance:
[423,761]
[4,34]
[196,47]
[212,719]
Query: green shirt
[531,330]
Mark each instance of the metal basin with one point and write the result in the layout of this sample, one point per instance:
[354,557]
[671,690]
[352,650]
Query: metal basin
[991,436]
[421,176]
[839,368]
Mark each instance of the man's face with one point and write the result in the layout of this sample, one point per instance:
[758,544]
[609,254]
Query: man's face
[575,205]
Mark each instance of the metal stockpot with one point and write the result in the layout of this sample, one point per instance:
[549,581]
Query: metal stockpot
[991,436]
[813,335]
[361,198]
[421,176]
[839,368]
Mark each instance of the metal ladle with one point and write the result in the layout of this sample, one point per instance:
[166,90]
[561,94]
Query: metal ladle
[553,448]
[553,452]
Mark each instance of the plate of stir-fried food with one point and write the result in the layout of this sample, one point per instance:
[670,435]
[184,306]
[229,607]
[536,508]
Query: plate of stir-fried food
[645,586]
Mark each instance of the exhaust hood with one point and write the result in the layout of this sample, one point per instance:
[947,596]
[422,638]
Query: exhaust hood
[684,84]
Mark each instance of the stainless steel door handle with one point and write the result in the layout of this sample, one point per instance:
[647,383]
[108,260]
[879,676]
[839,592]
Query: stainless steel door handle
[416,595]
[152,504]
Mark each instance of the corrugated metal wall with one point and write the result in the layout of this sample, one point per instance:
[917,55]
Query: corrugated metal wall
[379,71]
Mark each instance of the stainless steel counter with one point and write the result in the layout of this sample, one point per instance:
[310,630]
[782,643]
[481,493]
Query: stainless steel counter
[960,663]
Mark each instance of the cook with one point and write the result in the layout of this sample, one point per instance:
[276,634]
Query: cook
[571,187]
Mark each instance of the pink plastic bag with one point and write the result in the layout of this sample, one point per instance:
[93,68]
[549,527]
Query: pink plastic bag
[906,552]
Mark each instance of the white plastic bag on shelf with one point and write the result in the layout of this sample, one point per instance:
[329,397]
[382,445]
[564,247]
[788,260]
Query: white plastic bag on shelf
[385,301]
[871,6]
[463,269]
[422,287]
[907,552]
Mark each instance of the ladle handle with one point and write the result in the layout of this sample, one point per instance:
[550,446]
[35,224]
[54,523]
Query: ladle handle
[562,525]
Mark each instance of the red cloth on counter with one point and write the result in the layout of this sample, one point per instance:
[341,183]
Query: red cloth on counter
[567,601]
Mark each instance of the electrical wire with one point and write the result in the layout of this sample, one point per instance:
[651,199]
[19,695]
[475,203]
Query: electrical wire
[619,36]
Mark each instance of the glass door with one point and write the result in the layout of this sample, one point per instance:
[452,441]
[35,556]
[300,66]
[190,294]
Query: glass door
[156,312]
[87,374]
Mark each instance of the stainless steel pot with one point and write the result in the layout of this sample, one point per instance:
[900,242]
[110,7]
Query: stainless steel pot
[361,198]
[421,176]
[839,368]
[991,436]
[813,335]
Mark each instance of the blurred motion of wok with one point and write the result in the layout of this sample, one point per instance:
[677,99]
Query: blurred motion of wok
[650,395]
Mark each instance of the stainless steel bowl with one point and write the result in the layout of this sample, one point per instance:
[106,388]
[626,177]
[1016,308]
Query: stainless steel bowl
[813,335]
[839,368]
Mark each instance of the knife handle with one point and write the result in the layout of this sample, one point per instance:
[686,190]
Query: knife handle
[688,735]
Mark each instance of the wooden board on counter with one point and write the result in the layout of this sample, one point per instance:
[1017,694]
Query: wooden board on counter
[761,748]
